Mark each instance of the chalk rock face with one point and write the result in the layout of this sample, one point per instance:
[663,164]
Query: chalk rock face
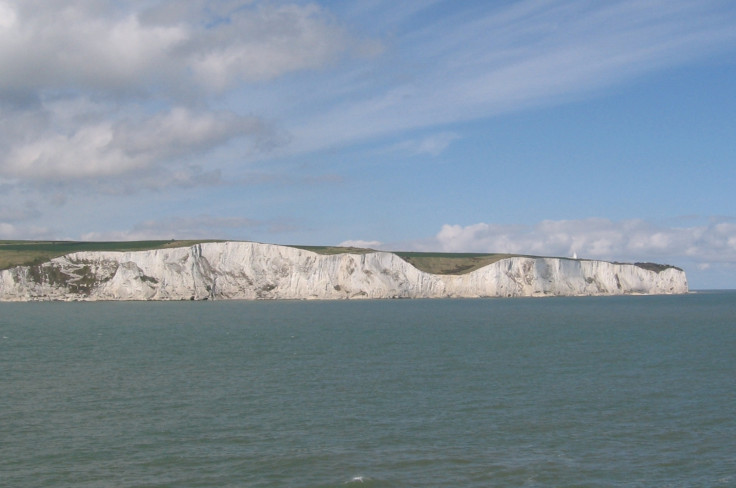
[247,270]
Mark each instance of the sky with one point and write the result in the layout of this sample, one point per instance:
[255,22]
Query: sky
[605,130]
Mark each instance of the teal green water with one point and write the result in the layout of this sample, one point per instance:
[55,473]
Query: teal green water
[588,392]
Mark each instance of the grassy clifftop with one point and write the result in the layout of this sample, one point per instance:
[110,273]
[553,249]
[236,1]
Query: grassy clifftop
[450,263]
[30,253]
[429,262]
[27,253]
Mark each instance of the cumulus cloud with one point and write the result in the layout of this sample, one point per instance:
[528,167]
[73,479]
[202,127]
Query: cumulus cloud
[112,48]
[62,45]
[162,54]
[106,89]
[101,147]
[596,238]
[263,43]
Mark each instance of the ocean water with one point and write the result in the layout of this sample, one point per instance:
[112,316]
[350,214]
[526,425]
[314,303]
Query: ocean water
[572,392]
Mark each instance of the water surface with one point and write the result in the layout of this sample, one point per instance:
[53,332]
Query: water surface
[595,391]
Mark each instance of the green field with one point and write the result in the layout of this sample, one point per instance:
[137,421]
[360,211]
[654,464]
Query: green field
[28,253]
[335,249]
[450,263]
[31,253]
[429,262]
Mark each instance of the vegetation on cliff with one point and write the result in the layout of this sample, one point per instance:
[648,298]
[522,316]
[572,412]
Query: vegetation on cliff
[31,253]
[34,253]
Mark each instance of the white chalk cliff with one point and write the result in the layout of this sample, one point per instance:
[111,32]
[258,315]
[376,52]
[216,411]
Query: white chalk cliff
[247,270]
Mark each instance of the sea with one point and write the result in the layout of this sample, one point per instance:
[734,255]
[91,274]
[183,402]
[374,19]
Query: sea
[634,391]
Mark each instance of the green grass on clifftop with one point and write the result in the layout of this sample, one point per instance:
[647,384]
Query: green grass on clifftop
[28,253]
[429,262]
[450,263]
[335,249]
[31,253]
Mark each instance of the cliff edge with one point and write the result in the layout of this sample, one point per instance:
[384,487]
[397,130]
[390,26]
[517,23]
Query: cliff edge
[247,270]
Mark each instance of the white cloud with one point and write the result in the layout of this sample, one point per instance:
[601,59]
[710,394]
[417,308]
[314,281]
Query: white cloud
[101,89]
[489,59]
[595,238]
[494,59]
[265,42]
[8,17]
[100,148]
[73,44]
[112,48]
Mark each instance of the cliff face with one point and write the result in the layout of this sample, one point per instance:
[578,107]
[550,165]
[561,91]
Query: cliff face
[246,270]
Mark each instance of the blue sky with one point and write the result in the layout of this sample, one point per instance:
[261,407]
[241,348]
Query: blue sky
[605,129]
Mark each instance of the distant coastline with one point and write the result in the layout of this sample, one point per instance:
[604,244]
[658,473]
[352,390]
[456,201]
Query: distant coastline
[198,270]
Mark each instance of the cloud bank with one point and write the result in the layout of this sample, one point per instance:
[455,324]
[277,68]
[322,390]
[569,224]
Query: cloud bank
[699,247]
[129,48]
[120,65]
[100,90]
